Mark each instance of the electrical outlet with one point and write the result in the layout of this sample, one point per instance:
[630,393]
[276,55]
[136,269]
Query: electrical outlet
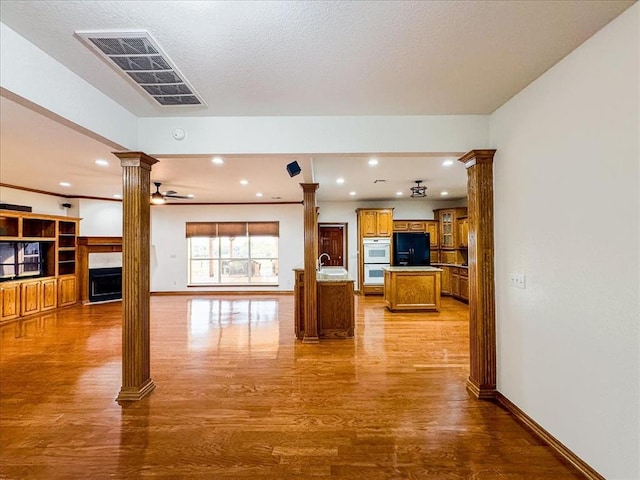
[518,280]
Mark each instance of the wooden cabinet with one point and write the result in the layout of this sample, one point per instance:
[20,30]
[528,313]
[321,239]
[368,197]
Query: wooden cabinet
[448,256]
[67,290]
[372,222]
[375,222]
[445,288]
[431,227]
[464,284]
[335,307]
[29,297]
[409,226]
[455,281]
[52,283]
[446,218]
[9,301]
[463,232]
[49,294]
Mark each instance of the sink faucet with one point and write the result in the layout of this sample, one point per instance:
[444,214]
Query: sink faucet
[320,259]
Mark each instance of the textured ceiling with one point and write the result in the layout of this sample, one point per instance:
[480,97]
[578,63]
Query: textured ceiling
[292,58]
[325,58]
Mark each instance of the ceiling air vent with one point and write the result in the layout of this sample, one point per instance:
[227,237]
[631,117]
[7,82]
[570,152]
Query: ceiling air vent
[140,58]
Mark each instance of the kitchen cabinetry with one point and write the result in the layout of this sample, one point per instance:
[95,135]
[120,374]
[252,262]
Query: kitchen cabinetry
[372,222]
[455,281]
[462,232]
[52,257]
[375,222]
[335,307]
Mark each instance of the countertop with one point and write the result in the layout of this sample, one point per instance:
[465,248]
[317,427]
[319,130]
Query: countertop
[412,269]
[458,265]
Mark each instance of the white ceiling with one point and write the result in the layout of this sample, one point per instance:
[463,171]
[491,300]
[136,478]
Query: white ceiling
[292,58]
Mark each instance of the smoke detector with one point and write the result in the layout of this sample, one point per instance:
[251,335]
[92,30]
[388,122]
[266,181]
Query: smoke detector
[137,55]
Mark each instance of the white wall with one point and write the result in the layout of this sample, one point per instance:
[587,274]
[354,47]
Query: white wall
[567,216]
[169,245]
[100,218]
[39,202]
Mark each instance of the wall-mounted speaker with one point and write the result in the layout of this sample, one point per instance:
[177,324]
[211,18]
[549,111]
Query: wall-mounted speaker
[294,169]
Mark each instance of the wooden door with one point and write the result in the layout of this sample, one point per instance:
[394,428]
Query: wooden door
[431,227]
[331,240]
[30,298]
[67,291]
[49,292]
[9,301]
[369,223]
[384,223]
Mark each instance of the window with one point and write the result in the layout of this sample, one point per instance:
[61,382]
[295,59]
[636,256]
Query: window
[233,253]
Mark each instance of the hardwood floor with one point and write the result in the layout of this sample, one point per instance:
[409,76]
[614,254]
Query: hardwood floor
[237,397]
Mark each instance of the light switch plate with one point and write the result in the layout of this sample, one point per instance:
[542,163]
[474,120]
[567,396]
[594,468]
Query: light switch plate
[518,280]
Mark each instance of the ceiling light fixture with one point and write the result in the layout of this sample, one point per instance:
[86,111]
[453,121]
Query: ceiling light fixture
[156,197]
[340,180]
[399,194]
[259,194]
[444,194]
[102,163]
[65,184]
[115,195]
[244,182]
[352,194]
[217,160]
[373,161]
[418,191]
[447,163]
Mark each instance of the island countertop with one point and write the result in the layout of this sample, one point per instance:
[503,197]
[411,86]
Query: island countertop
[417,268]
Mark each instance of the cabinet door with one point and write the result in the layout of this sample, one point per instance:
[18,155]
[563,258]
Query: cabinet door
[455,282]
[446,229]
[434,256]
[431,227]
[369,223]
[417,227]
[29,298]
[9,301]
[400,226]
[49,292]
[67,291]
[464,287]
[448,256]
[445,288]
[384,223]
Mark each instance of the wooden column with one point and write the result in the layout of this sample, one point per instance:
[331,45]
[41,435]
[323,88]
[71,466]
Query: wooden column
[136,209]
[310,263]
[482,324]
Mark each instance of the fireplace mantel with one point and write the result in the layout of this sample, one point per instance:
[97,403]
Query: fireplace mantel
[87,245]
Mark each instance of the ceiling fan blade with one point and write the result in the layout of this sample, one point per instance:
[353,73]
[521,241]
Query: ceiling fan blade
[174,195]
[170,192]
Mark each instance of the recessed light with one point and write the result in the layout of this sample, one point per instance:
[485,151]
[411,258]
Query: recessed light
[217,160]
[259,194]
[65,184]
[117,196]
[399,194]
[352,193]
[102,163]
[191,195]
[244,182]
[340,180]
[447,163]
[444,194]
[373,161]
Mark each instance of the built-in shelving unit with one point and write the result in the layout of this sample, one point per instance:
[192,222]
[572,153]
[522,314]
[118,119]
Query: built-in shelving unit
[39,271]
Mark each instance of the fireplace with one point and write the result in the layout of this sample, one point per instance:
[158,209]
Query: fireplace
[105,284]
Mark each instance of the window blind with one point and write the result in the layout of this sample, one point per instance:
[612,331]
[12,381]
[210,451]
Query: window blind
[232,229]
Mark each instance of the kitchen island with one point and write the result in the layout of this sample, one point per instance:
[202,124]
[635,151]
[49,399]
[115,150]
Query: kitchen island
[335,307]
[412,288]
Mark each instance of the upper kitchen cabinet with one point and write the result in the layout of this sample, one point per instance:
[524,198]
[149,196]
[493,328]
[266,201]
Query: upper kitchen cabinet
[375,222]
[462,232]
[448,219]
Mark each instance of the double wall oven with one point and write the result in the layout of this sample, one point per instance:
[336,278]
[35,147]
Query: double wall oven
[376,255]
